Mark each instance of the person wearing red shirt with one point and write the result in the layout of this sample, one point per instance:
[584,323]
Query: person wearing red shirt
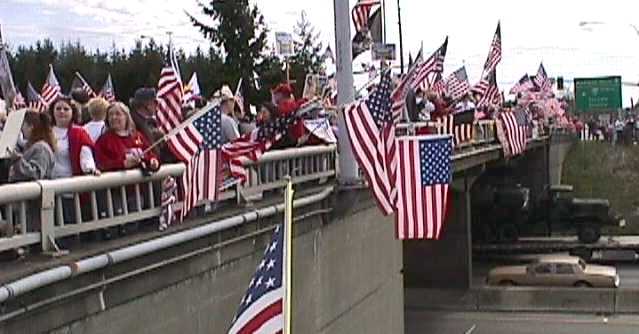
[121,146]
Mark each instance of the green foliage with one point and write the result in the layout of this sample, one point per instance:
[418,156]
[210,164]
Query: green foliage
[240,32]
[308,56]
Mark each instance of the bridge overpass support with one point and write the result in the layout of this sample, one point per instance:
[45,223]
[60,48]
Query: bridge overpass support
[445,263]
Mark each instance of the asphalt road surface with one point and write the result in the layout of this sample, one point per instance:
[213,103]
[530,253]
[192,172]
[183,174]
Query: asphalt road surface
[628,274]
[516,323]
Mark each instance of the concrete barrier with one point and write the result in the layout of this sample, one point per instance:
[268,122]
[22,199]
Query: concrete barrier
[627,301]
[441,299]
[547,300]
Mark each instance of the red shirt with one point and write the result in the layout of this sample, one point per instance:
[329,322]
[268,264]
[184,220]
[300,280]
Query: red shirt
[111,150]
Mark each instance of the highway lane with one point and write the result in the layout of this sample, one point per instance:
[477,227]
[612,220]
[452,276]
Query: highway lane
[628,273]
[418,322]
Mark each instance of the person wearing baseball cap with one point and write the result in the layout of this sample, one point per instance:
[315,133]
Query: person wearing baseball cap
[230,129]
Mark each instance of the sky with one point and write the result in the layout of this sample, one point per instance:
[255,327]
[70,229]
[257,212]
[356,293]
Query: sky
[546,30]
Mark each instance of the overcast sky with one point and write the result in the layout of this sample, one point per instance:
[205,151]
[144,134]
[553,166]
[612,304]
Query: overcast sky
[543,30]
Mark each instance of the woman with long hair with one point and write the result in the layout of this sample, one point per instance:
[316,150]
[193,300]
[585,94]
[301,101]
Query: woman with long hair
[37,160]
[74,150]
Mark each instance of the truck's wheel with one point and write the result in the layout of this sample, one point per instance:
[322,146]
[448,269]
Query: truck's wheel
[589,234]
[508,233]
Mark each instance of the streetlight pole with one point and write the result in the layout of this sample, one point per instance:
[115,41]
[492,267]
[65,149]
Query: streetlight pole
[348,171]
[401,38]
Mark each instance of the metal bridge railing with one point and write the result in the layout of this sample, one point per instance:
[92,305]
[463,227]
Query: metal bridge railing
[483,131]
[41,212]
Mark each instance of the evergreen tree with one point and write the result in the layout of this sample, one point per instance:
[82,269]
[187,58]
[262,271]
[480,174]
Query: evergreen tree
[308,56]
[240,32]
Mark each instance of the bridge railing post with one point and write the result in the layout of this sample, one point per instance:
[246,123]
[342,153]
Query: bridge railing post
[47,219]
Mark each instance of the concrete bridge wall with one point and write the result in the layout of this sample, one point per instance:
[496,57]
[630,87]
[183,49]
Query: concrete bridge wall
[347,279]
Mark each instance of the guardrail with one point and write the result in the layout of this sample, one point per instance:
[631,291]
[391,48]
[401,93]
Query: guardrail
[483,131]
[46,210]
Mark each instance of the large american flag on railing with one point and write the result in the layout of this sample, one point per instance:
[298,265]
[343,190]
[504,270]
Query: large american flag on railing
[459,125]
[416,77]
[425,173]
[51,88]
[515,128]
[253,145]
[371,131]
[494,53]
[362,12]
[261,309]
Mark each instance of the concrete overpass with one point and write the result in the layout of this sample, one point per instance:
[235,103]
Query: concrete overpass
[349,270]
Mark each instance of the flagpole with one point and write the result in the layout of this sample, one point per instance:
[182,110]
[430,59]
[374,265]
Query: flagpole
[288,240]
[401,38]
[384,21]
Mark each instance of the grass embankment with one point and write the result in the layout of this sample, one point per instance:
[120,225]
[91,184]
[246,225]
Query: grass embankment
[601,170]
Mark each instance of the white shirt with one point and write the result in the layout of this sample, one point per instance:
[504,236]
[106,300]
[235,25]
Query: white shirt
[62,167]
[95,129]
[229,127]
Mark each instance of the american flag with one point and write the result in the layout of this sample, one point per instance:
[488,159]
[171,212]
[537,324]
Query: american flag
[191,91]
[51,88]
[361,13]
[107,91]
[253,145]
[425,173]
[541,79]
[416,76]
[371,131]
[439,86]
[524,84]
[34,100]
[185,144]
[261,309]
[79,83]
[457,84]
[494,53]
[203,174]
[459,125]
[515,127]
[491,94]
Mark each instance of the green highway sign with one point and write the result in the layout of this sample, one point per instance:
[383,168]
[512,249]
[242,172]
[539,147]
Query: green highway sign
[598,94]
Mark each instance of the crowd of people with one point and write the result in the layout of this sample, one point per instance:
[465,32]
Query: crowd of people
[616,130]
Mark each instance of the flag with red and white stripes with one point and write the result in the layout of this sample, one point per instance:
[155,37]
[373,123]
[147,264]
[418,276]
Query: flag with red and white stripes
[261,309]
[489,91]
[425,173]
[51,88]
[541,80]
[459,125]
[19,101]
[523,85]
[415,77]
[362,12]
[107,91]
[457,85]
[371,131]
[79,83]
[439,86]
[494,53]
[34,100]
[515,128]
[253,145]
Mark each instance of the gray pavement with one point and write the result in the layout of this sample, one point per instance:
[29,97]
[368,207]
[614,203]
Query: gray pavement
[516,323]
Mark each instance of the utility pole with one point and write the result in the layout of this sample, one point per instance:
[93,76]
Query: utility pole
[348,171]
[384,21]
[401,38]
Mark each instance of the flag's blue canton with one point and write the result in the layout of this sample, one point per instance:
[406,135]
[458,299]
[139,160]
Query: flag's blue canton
[268,275]
[274,127]
[379,102]
[209,127]
[522,119]
[435,159]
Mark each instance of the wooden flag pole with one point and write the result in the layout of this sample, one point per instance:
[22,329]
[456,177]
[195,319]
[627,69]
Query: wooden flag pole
[288,240]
